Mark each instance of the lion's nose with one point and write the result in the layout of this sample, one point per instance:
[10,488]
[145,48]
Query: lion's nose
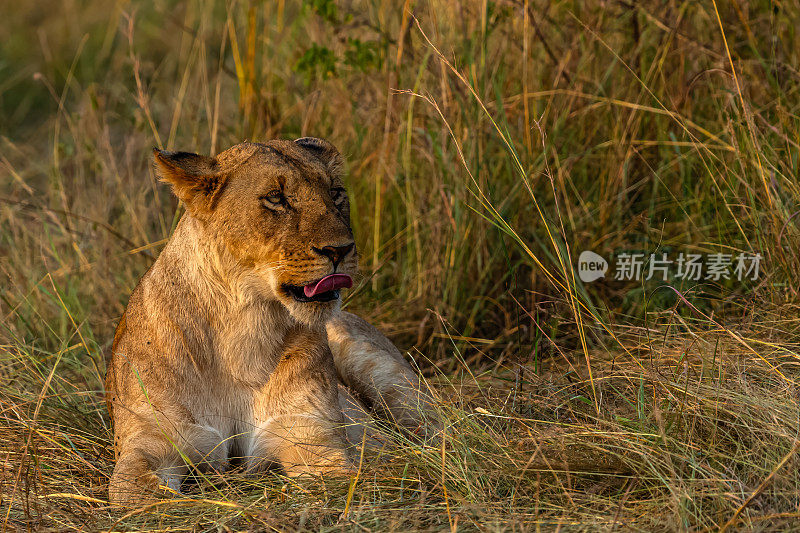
[335,253]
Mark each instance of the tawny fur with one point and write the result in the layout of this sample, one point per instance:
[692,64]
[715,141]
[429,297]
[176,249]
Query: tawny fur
[214,359]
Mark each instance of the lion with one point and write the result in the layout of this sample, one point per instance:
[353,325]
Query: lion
[233,347]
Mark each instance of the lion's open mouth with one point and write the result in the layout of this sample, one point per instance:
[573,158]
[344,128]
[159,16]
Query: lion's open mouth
[323,290]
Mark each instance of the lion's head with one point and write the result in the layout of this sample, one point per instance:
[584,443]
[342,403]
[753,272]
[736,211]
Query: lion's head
[281,211]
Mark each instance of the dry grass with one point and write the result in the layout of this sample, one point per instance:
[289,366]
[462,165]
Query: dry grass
[489,143]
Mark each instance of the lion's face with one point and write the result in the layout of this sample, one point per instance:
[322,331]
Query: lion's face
[281,210]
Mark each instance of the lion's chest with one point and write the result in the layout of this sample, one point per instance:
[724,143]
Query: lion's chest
[232,400]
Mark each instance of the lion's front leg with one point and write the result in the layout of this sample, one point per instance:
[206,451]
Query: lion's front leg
[146,470]
[155,448]
[301,443]
[373,367]
[297,416]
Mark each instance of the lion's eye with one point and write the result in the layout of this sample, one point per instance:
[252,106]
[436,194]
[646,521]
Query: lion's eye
[274,199]
[337,195]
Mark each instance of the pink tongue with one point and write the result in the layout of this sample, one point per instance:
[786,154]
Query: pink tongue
[328,283]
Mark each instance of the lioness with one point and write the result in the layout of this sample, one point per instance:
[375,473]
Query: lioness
[232,344]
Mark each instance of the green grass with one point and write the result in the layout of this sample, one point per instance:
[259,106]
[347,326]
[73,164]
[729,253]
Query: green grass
[488,145]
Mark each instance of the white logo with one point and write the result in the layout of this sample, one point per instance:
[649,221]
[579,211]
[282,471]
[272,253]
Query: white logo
[591,266]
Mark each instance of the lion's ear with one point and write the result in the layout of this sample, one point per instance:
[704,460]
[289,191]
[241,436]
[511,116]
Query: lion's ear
[195,179]
[325,152]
